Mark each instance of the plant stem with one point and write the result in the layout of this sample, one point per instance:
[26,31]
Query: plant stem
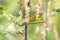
[46,19]
[20,12]
[25,31]
[38,8]
[27,9]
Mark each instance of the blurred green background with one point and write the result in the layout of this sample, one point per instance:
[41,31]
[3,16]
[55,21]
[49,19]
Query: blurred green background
[9,16]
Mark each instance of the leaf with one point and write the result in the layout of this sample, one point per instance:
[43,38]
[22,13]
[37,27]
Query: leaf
[33,19]
[58,10]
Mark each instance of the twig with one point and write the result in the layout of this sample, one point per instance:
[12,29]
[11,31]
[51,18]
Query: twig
[27,10]
[46,19]
[25,31]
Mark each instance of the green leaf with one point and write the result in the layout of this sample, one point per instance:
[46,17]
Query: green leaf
[33,19]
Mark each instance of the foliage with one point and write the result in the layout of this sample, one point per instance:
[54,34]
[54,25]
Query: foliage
[10,28]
